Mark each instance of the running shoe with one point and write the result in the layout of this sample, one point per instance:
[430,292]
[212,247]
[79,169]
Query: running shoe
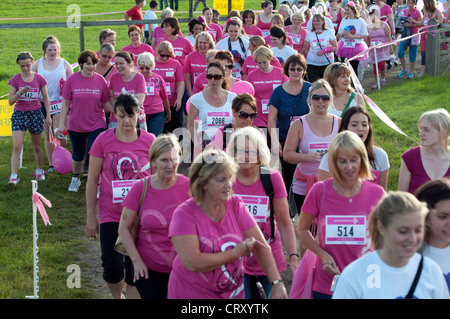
[40,176]
[74,184]
[410,75]
[420,75]
[402,73]
[14,179]
[51,170]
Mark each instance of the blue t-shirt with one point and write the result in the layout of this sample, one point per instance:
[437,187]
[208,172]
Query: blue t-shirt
[289,106]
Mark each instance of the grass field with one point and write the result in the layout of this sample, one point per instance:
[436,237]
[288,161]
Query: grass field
[61,244]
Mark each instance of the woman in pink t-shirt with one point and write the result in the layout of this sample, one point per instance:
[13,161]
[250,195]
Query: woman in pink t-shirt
[86,95]
[156,103]
[296,32]
[311,133]
[153,253]
[119,156]
[171,71]
[24,89]
[249,149]
[136,46]
[213,28]
[196,60]
[127,79]
[249,64]
[249,19]
[341,206]
[211,232]
[181,46]
[264,79]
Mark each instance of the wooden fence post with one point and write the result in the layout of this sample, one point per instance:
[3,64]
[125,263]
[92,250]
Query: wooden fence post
[432,59]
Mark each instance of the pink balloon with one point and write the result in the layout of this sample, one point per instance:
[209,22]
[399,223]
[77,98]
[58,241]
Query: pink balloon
[188,105]
[242,87]
[62,160]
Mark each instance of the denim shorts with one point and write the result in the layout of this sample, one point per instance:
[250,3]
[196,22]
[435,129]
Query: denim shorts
[33,121]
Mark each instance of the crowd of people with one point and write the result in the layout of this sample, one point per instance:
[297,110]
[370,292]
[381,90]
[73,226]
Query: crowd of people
[235,223]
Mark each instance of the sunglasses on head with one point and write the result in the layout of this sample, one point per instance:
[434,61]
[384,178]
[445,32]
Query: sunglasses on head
[317,97]
[214,76]
[244,115]
[165,56]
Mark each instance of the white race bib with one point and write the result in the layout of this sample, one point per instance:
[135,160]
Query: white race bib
[345,230]
[217,118]
[150,88]
[258,206]
[120,189]
[55,107]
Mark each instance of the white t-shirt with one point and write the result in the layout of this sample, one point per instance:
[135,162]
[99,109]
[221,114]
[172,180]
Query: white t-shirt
[150,15]
[442,257]
[315,46]
[369,277]
[360,26]
[212,118]
[284,53]
[236,45]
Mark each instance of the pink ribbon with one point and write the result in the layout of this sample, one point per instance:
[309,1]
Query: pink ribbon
[36,198]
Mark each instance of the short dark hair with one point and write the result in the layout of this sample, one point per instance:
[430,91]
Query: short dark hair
[83,57]
[153,4]
[173,22]
[277,32]
[128,102]
[294,59]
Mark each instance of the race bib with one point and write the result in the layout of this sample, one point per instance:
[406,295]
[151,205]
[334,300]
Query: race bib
[296,39]
[349,43]
[236,73]
[265,106]
[150,88]
[217,118]
[32,94]
[168,88]
[55,107]
[120,189]
[374,42]
[258,206]
[345,230]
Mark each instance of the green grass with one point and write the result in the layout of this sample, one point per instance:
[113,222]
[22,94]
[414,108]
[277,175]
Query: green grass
[61,244]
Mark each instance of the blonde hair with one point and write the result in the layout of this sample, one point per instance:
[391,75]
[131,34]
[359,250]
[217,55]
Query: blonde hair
[247,134]
[388,208]
[321,83]
[206,165]
[262,52]
[349,143]
[146,58]
[162,144]
[208,38]
[440,120]
[165,46]
[257,41]
[334,71]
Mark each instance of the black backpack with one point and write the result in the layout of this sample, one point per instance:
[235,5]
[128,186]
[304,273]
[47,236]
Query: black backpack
[268,188]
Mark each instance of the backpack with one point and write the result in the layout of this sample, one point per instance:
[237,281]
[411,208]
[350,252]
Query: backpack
[268,188]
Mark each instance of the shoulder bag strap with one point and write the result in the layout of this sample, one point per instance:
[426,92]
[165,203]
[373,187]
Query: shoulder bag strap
[415,281]
[349,102]
[144,193]
[320,46]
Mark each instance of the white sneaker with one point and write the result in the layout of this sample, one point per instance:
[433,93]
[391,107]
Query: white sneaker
[14,179]
[74,184]
[40,175]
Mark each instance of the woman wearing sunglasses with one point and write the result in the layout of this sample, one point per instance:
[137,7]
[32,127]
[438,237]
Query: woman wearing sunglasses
[244,113]
[105,67]
[226,58]
[212,106]
[287,103]
[171,70]
[311,133]
[264,79]
[338,75]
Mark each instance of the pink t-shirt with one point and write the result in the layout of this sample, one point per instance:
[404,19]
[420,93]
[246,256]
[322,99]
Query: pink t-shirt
[384,12]
[156,93]
[30,100]
[264,84]
[200,83]
[343,246]
[137,51]
[172,73]
[256,200]
[225,282]
[124,162]
[195,64]
[215,30]
[87,96]
[153,243]
[181,47]
[250,64]
[254,30]
[297,38]
[135,86]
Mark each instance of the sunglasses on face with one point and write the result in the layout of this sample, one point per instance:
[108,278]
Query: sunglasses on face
[296,69]
[317,97]
[214,76]
[302,2]
[244,115]
[229,66]
[165,56]
[104,56]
